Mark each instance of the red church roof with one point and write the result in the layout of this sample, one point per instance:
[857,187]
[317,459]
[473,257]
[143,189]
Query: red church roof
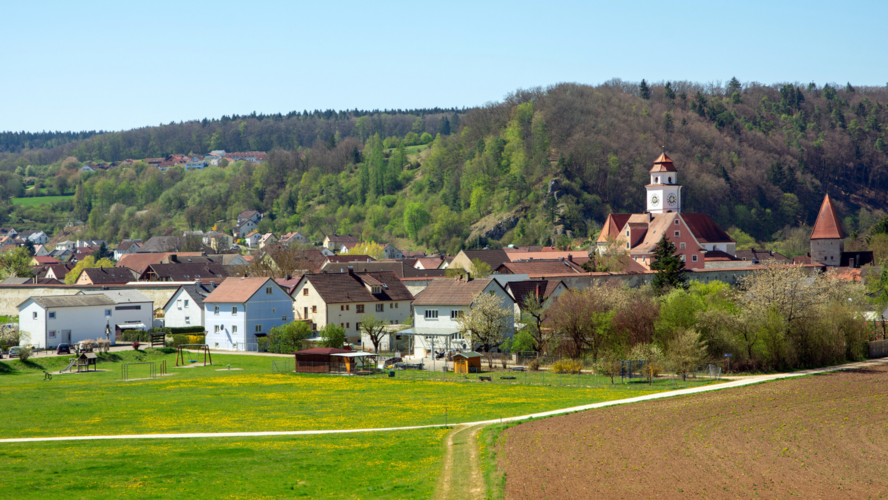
[827,226]
[663,164]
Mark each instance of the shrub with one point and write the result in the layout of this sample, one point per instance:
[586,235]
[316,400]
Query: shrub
[567,366]
[136,345]
[25,353]
[179,339]
[186,329]
[534,365]
[135,335]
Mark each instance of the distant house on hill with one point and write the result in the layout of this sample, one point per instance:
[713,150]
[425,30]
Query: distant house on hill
[126,247]
[335,241]
[35,237]
[293,238]
[252,215]
[243,228]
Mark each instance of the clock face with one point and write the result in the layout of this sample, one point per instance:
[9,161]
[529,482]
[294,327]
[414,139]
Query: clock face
[671,199]
[655,200]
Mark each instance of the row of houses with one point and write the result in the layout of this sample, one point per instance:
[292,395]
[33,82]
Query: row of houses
[188,162]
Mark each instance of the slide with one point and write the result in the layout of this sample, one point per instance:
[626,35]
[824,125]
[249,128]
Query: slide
[73,360]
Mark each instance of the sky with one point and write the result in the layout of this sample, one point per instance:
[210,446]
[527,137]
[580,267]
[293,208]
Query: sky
[119,65]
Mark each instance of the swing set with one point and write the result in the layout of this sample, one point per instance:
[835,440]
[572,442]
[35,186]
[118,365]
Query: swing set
[193,351]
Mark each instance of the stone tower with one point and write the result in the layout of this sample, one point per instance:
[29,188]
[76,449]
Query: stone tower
[827,238]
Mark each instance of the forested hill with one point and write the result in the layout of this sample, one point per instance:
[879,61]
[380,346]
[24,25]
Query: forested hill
[755,157]
[254,132]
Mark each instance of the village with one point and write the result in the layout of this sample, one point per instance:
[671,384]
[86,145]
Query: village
[230,290]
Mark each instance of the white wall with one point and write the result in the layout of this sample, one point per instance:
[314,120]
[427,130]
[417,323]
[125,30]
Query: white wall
[177,311]
[35,327]
[84,323]
[232,326]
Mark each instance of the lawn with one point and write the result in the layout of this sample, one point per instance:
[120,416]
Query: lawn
[40,200]
[204,399]
[403,464]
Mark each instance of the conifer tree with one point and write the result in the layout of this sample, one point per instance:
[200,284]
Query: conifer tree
[670,268]
[644,90]
[670,94]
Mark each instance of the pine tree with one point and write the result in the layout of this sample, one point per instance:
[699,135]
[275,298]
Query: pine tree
[670,94]
[644,90]
[733,85]
[670,268]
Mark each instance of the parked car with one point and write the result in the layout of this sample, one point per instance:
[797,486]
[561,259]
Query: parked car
[14,352]
[63,349]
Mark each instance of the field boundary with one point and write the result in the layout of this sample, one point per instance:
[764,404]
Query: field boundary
[648,397]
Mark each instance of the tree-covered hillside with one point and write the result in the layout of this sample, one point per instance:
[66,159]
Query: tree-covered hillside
[758,158]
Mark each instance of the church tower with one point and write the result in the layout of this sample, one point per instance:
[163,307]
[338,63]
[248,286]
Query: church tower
[663,193]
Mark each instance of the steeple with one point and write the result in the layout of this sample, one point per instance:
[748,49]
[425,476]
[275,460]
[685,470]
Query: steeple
[827,226]
[663,193]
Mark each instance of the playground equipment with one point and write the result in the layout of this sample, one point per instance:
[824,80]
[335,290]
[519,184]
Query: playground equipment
[193,351]
[70,365]
[124,370]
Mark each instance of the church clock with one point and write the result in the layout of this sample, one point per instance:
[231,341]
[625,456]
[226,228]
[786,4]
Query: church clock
[655,200]
[671,199]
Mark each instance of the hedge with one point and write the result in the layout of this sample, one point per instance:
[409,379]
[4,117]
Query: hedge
[187,329]
[135,335]
[178,339]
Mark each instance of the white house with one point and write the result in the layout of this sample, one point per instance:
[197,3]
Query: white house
[66,245]
[293,238]
[436,309]
[127,247]
[253,239]
[240,310]
[392,252]
[186,306]
[252,215]
[35,237]
[196,163]
[46,321]
[347,298]
[40,251]
[267,239]
[244,228]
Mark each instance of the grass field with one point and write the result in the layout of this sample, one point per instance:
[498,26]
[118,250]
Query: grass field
[204,399]
[40,200]
[401,464]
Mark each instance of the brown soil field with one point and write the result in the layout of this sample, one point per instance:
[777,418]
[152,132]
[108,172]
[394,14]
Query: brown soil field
[816,437]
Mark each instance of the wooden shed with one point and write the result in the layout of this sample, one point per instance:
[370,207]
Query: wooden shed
[467,362]
[85,360]
[319,360]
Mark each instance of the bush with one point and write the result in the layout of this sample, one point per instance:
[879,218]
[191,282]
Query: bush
[567,366]
[136,345]
[135,335]
[285,338]
[534,365]
[186,329]
[178,340]
[25,353]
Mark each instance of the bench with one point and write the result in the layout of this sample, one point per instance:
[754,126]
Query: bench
[517,368]
[507,378]
[485,379]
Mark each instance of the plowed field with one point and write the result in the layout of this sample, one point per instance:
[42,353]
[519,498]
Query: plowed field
[823,436]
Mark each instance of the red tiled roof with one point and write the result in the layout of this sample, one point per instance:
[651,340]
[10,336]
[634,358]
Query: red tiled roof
[718,256]
[540,268]
[493,258]
[108,275]
[349,258]
[705,229]
[663,164]
[612,226]
[827,226]
[47,260]
[541,288]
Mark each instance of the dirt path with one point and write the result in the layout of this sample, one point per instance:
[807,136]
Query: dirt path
[461,474]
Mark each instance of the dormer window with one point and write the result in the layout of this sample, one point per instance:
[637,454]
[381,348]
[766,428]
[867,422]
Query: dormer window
[375,289]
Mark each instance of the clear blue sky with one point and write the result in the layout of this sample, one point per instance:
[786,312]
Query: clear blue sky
[119,65]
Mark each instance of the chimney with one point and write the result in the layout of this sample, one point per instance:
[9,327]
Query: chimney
[570,257]
[468,276]
[538,292]
[351,270]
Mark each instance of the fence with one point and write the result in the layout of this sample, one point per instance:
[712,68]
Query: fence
[878,349]
[152,369]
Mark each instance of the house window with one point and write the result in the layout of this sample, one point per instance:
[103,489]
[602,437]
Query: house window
[179,304]
[431,314]
[347,306]
[380,308]
[187,320]
[268,290]
[359,308]
[305,291]
[314,309]
[51,315]
[274,310]
[258,328]
[216,310]
[107,313]
[455,313]
[676,222]
[627,245]
[341,307]
[186,302]
[678,234]
[305,312]
[682,258]
[681,245]
[694,258]
[233,328]
[314,326]
[627,233]
[52,334]
[234,311]
[216,329]
[284,318]
[348,325]
[358,326]
[396,305]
